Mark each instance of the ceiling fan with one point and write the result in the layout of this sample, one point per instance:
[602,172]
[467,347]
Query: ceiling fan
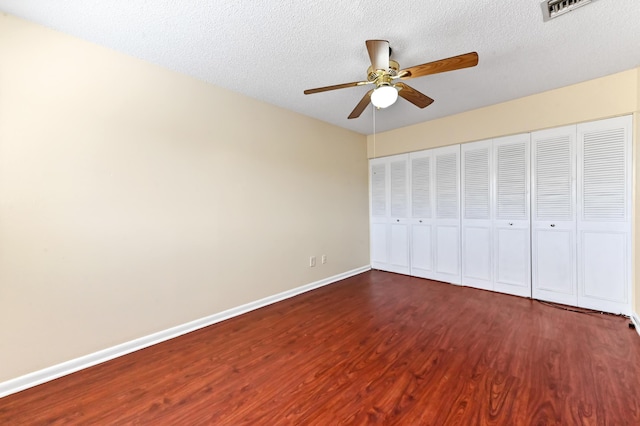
[385,72]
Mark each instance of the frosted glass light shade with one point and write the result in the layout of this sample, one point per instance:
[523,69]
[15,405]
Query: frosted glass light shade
[384,96]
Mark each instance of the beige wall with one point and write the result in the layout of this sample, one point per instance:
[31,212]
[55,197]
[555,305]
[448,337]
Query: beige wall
[601,98]
[610,96]
[636,190]
[134,199]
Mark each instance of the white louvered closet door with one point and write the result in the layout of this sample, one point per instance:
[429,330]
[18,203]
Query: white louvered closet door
[604,215]
[399,214]
[379,211]
[390,213]
[511,224]
[447,214]
[477,247]
[554,217]
[422,218]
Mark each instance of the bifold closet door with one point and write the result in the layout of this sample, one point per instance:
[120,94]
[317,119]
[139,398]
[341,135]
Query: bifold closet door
[447,214]
[389,185]
[554,218]
[511,224]
[604,215]
[496,244]
[421,224]
[477,247]
[378,181]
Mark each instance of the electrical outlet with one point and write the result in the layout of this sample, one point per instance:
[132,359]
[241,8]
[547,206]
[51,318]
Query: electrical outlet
[324,259]
[312,261]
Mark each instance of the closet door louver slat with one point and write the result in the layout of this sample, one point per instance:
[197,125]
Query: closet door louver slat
[399,194]
[604,185]
[378,190]
[421,187]
[447,186]
[511,181]
[476,184]
[554,179]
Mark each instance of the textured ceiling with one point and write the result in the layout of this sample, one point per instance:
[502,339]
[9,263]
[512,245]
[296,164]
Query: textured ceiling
[273,50]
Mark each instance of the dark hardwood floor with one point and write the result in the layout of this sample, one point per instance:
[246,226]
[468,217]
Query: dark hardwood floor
[376,348]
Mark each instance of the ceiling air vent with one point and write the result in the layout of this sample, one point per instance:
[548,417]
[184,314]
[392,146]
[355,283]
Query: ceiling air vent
[554,8]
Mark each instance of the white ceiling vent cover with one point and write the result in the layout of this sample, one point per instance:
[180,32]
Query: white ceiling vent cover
[554,8]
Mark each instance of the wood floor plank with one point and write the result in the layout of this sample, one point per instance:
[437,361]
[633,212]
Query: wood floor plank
[378,348]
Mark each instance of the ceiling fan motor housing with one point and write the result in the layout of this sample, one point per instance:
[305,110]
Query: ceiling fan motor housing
[394,67]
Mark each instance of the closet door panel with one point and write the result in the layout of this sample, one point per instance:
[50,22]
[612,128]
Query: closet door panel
[379,245]
[399,256]
[553,219]
[603,266]
[476,257]
[422,217]
[604,215]
[512,261]
[448,253]
[555,266]
[399,214]
[477,224]
[379,211]
[511,225]
[421,251]
[447,214]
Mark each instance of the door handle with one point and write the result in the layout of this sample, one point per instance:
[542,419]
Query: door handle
[510,223]
[397,220]
[420,221]
[553,225]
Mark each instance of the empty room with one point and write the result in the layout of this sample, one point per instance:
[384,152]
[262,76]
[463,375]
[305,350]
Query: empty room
[263,213]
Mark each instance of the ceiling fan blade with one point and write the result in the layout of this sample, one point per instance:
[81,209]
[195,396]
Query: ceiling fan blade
[412,95]
[335,87]
[443,65]
[362,105]
[379,54]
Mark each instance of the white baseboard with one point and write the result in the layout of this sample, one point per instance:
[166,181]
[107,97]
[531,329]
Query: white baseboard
[636,320]
[50,373]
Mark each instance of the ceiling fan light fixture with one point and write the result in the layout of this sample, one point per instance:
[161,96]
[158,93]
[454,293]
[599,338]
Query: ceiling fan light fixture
[384,96]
